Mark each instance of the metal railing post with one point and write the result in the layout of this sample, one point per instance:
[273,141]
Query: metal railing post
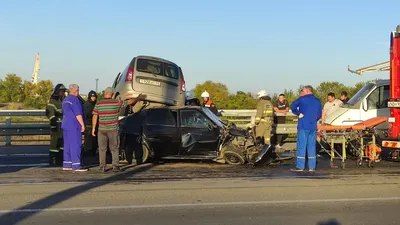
[253,119]
[8,124]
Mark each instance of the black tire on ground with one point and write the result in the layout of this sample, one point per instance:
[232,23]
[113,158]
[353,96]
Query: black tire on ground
[233,157]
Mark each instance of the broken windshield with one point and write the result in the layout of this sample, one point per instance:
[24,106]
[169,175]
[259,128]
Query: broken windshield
[360,94]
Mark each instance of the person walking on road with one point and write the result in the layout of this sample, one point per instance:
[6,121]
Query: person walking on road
[54,114]
[308,108]
[106,112]
[90,144]
[264,118]
[73,126]
[208,103]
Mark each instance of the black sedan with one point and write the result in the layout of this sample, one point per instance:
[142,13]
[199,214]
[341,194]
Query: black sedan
[188,132]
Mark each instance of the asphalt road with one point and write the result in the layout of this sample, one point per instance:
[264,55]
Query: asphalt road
[358,200]
[29,164]
[194,193]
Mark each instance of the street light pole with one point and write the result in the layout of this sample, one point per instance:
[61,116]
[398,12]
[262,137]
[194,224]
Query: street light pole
[97,81]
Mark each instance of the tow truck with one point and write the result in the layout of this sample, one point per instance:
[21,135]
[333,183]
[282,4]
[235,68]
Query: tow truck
[391,140]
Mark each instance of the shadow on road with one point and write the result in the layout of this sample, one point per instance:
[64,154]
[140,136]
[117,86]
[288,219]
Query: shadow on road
[329,222]
[33,208]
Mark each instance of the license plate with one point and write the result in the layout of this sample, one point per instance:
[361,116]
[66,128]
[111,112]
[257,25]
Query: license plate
[150,82]
[394,104]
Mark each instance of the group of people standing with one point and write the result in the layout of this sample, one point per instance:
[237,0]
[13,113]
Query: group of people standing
[310,112]
[70,116]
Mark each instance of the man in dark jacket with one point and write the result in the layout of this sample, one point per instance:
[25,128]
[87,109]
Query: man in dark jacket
[191,99]
[308,108]
[90,144]
[54,114]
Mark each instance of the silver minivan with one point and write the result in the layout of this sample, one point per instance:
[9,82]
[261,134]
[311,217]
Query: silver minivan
[159,80]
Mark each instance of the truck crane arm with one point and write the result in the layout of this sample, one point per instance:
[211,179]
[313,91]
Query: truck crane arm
[374,68]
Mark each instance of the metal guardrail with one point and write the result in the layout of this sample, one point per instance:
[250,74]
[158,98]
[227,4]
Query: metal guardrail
[8,129]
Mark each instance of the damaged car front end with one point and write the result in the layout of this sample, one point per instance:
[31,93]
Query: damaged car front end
[189,133]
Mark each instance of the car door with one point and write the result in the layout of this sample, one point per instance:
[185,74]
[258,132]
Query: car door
[161,132]
[198,133]
[377,105]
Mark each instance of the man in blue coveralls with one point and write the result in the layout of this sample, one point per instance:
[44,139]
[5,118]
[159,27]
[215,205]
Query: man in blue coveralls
[73,126]
[308,108]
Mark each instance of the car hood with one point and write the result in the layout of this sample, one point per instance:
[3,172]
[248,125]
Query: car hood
[332,117]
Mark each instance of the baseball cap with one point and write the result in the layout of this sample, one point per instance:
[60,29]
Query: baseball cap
[109,90]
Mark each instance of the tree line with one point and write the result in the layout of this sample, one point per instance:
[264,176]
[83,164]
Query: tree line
[223,99]
[14,90]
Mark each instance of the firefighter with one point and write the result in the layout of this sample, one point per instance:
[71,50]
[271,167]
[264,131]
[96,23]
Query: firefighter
[90,144]
[264,118]
[54,114]
[191,99]
[209,103]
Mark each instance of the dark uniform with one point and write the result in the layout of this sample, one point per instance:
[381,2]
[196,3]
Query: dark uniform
[193,102]
[54,114]
[281,120]
[90,144]
[264,119]
[210,105]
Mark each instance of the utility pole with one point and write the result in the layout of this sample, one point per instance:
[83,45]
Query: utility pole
[97,82]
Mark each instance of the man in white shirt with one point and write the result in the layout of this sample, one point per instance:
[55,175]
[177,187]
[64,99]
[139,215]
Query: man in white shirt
[330,106]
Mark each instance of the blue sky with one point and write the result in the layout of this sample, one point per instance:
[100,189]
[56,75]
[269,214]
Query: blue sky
[248,45]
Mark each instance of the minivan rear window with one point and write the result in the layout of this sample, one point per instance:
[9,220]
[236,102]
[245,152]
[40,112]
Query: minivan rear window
[157,68]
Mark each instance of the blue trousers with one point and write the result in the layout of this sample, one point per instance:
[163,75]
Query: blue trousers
[306,143]
[72,149]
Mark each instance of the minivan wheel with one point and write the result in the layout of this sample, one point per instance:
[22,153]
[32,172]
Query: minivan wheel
[234,158]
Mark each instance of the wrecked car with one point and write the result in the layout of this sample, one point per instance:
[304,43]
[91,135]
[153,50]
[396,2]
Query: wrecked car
[188,132]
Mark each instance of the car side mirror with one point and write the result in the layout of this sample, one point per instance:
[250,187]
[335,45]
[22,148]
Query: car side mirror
[364,104]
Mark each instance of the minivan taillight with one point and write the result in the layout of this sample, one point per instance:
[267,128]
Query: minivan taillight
[183,86]
[129,75]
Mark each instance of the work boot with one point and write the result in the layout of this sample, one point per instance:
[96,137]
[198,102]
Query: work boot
[116,169]
[103,169]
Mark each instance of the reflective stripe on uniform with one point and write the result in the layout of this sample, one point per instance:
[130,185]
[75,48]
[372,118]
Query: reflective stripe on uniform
[55,108]
[54,150]
[268,111]
[51,117]
[301,157]
[312,157]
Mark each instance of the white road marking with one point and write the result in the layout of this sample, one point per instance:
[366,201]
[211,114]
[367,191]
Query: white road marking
[24,165]
[23,155]
[199,205]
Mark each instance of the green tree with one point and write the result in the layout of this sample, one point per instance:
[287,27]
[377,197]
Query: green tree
[219,92]
[38,95]
[241,100]
[11,89]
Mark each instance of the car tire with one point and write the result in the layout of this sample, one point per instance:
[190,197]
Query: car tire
[233,157]
[143,154]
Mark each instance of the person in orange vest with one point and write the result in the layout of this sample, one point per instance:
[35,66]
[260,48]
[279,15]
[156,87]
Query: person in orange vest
[208,103]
